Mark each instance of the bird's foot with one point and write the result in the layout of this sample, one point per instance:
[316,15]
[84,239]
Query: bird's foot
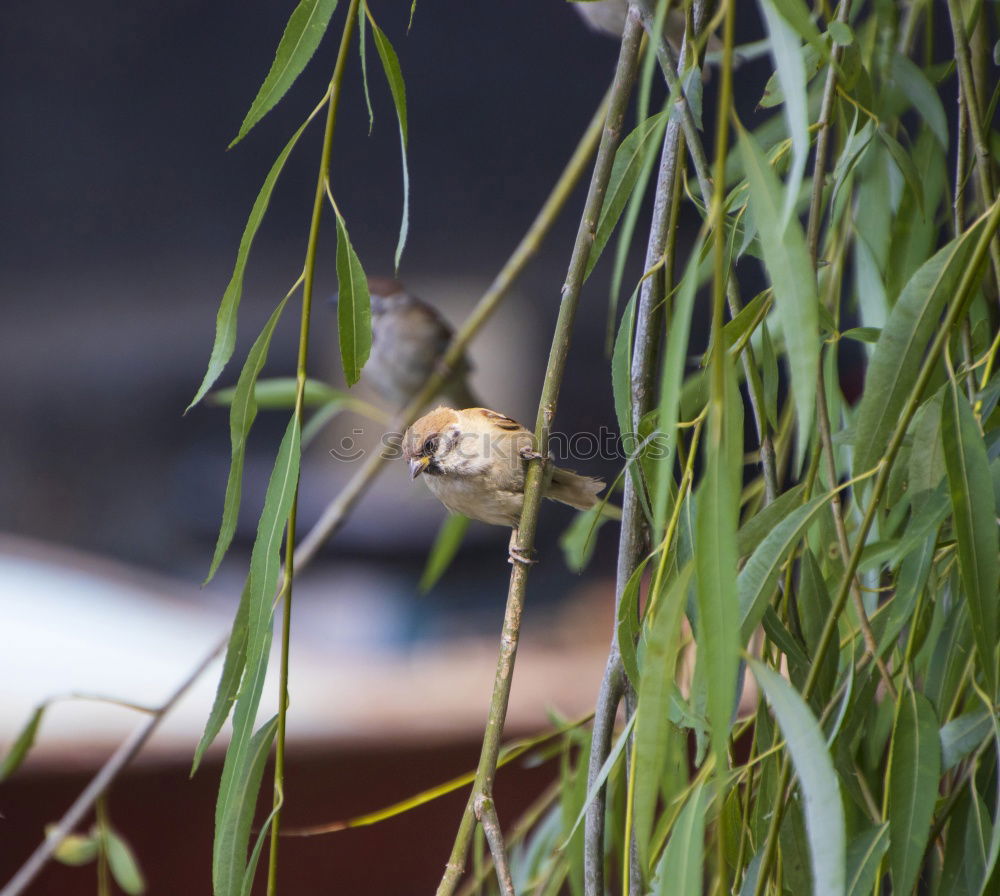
[526,558]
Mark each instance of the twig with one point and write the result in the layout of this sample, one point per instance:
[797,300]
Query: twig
[670,68]
[483,787]
[486,813]
[308,274]
[973,111]
[829,634]
[118,760]
[632,538]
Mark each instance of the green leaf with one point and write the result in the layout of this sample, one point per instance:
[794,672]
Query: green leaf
[914,768]
[864,855]
[790,272]
[229,681]
[621,367]
[898,354]
[905,165]
[630,159]
[671,379]
[362,44]
[354,313]
[580,538]
[716,558]
[75,849]
[680,870]
[232,821]
[915,86]
[862,334]
[232,831]
[962,735]
[394,75]
[841,33]
[824,811]
[121,861]
[759,526]
[278,393]
[759,575]
[656,740]
[225,322]
[19,749]
[627,623]
[788,59]
[446,545]
[262,836]
[304,31]
[242,413]
[975,522]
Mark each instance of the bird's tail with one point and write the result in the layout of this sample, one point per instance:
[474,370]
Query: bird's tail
[571,488]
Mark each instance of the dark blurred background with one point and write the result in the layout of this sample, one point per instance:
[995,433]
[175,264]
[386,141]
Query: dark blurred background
[122,213]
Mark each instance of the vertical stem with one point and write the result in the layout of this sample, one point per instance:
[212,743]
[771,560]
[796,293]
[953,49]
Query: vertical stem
[632,539]
[974,113]
[717,372]
[483,786]
[309,273]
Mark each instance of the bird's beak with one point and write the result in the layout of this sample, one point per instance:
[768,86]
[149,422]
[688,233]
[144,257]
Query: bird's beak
[418,465]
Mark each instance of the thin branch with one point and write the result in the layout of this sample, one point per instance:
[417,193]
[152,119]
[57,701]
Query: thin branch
[308,273]
[486,813]
[99,784]
[632,539]
[974,112]
[621,90]
[670,69]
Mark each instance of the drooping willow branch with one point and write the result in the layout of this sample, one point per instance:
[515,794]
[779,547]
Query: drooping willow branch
[482,789]
[338,510]
[308,279]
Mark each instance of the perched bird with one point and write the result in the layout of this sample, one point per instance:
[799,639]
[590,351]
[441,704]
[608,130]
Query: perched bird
[409,339]
[474,461]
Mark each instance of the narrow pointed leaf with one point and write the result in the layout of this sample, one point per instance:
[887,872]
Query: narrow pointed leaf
[242,413]
[716,557]
[304,31]
[278,393]
[974,517]
[232,832]
[680,872]
[225,322]
[394,75]
[759,575]
[899,352]
[824,810]
[786,260]
[229,681]
[446,545]
[914,768]
[656,740]
[19,749]
[123,864]
[864,854]
[580,538]
[354,315]
[632,157]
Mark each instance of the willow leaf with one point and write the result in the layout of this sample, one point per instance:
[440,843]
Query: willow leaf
[354,314]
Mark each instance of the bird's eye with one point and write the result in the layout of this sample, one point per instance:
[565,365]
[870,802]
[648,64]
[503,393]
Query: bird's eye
[430,446]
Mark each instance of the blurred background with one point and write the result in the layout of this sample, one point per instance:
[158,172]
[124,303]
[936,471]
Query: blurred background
[122,214]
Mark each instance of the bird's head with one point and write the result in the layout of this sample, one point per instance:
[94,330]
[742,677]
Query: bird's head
[429,444]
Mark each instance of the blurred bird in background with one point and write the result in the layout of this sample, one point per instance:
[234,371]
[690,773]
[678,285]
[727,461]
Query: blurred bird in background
[474,462]
[409,339]
[608,17]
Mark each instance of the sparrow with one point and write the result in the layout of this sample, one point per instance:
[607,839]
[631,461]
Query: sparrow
[608,17]
[474,462]
[409,339]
